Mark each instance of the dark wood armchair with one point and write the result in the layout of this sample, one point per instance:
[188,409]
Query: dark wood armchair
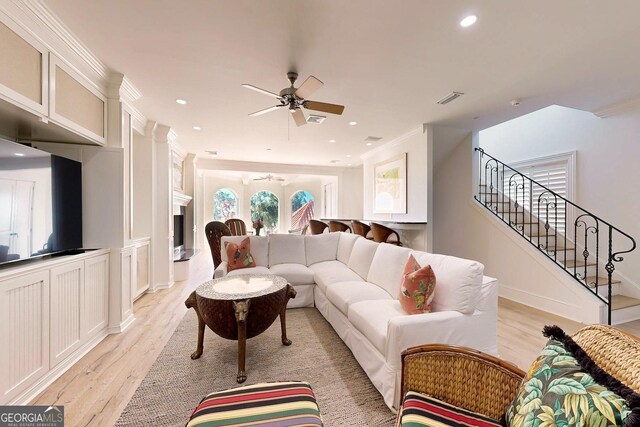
[335,226]
[237,227]
[361,228]
[381,234]
[317,227]
[214,232]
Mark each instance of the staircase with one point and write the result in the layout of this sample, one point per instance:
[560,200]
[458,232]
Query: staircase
[585,246]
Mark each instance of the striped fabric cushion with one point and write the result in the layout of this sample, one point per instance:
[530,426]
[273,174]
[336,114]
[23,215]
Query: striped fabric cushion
[422,410]
[277,404]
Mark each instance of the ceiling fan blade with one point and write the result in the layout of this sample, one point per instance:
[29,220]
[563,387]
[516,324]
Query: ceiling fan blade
[266,110]
[324,107]
[298,117]
[308,87]
[257,89]
[260,179]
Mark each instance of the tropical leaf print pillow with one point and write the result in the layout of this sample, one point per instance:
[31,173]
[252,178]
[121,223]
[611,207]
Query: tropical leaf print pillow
[239,255]
[416,289]
[558,392]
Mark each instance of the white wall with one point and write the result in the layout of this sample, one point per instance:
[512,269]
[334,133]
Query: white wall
[415,144]
[607,170]
[142,175]
[350,204]
[466,230]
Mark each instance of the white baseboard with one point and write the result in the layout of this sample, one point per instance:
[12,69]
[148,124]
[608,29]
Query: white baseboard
[122,326]
[167,285]
[32,392]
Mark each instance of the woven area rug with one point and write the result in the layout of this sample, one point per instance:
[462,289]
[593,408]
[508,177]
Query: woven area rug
[175,384]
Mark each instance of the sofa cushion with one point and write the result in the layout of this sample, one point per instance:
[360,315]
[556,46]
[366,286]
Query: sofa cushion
[345,246]
[422,410]
[361,256]
[328,272]
[371,318]
[321,247]
[416,290]
[386,267]
[564,376]
[286,248]
[343,294]
[259,248]
[459,281]
[239,255]
[296,274]
[251,270]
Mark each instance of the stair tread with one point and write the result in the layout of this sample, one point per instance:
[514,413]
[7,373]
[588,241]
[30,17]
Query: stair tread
[579,263]
[622,301]
[602,281]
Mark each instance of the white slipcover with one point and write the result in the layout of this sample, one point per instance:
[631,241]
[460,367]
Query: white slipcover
[286,248]
[345,246]
[296,274]
[361,256]
[328,272]
[343,294]
[387,266]
[321,247]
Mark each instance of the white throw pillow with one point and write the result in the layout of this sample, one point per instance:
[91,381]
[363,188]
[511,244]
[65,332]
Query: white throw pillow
[387,266]
[361,256]
[286,248]
[321,247]
[345,246]
[259,248]
[459,281]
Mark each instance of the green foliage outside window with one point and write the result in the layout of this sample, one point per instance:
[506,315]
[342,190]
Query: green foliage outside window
[299,199]
[225,205]
[264,206]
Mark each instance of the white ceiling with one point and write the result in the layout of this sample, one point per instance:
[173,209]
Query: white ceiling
[387,62]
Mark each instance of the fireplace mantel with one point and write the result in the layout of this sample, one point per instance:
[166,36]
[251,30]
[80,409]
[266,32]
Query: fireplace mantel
[181,199]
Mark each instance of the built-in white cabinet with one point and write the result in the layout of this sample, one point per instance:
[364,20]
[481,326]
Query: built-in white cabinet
[50,315]
[143,267]
[36,80]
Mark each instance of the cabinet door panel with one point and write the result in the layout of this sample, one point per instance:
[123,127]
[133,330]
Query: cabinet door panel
[96,295]
[24,318]
[67,297]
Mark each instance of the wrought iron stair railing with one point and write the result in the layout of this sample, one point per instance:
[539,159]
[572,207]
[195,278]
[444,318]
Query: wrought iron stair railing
[588,244]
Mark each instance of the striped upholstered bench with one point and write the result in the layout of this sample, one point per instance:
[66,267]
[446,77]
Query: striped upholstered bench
[266,404]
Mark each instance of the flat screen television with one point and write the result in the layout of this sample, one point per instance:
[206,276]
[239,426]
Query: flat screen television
[40,203]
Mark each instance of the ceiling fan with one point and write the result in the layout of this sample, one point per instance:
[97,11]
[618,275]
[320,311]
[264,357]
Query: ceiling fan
[294,98]
[269,177]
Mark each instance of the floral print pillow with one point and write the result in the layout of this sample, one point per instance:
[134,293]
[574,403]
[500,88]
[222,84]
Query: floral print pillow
[557,391]
[239,255]
[416,289]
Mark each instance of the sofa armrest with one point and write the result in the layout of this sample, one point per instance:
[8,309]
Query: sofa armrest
[462,377]
[221,270]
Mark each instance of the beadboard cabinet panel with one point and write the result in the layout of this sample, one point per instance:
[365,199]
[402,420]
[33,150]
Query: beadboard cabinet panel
[67,297]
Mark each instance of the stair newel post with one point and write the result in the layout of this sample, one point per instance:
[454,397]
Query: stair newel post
[530,208]
[501,178]
[565,233]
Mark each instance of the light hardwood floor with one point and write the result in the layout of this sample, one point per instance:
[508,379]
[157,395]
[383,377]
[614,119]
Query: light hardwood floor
[97,388]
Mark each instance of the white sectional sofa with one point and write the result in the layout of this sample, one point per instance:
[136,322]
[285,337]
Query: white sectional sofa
[355,283]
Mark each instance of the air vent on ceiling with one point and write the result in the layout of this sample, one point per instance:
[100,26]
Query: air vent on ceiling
[211,153]
[334,161]
[447,99]
[372,139]
[314,118]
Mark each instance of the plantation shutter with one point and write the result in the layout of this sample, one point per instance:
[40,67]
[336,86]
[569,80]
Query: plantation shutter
[554,175]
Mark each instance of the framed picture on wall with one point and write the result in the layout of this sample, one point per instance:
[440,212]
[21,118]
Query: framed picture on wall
[390,185]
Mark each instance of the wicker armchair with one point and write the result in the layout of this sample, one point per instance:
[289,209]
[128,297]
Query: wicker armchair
[317,227]
[481,383]
[335,226]
[237,227]
[214,232]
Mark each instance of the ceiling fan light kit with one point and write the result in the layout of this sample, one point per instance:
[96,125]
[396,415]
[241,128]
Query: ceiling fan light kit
[294,98]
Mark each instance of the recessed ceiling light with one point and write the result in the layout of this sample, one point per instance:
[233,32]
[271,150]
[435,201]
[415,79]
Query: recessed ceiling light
[181,101]
[197,128]
[468,21]
[348,155]
[353,123]
[349,164]
[369,144]
[332,141]
[19,154]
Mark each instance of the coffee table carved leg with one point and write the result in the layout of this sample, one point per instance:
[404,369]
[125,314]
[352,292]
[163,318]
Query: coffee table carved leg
[191,302]
[241,310]
[291,293]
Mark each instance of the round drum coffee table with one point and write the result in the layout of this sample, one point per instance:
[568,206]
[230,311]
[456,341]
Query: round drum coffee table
[240,307]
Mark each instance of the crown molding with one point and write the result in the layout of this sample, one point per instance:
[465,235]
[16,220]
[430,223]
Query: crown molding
[129,91]
[617,108]
[394,142]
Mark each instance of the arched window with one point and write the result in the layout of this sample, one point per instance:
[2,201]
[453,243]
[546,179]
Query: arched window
[301,209]
[265,207]
[225,205]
